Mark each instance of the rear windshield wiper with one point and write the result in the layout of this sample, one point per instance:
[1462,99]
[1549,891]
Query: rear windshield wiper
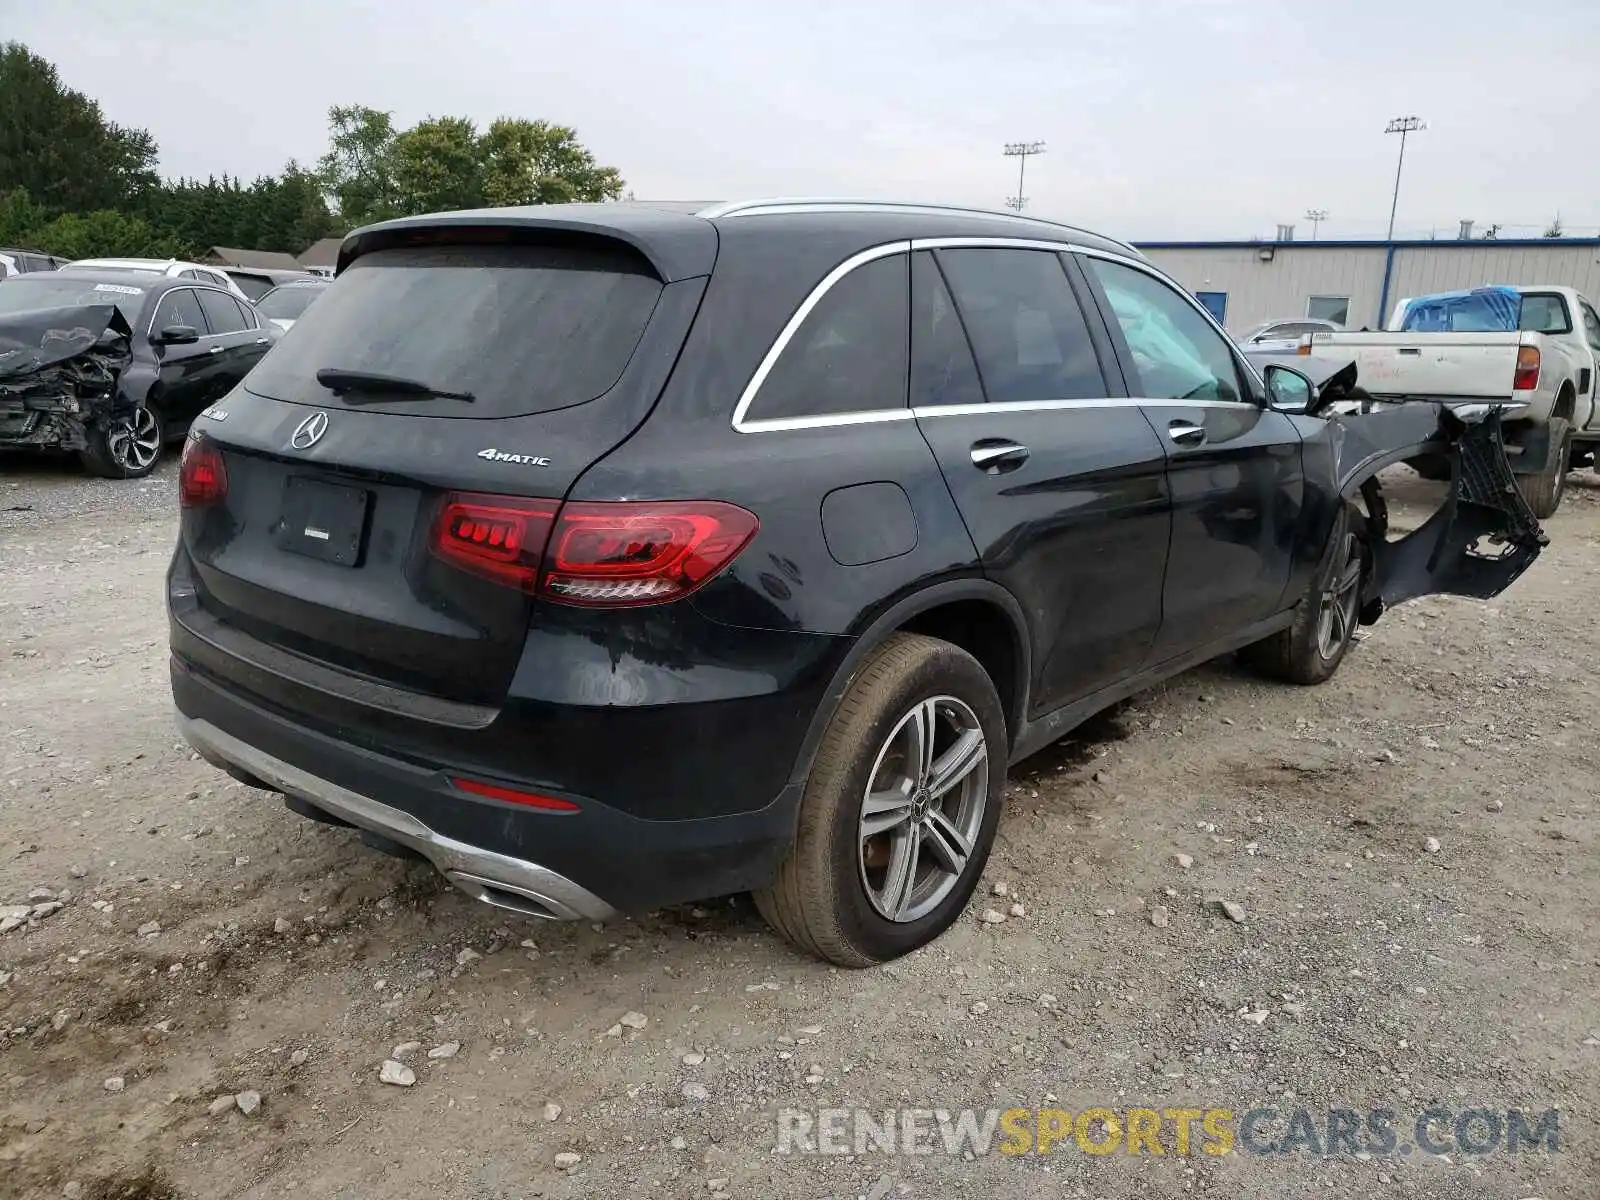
[370,383]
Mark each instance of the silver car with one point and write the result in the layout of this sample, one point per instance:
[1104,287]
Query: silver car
[1285,335]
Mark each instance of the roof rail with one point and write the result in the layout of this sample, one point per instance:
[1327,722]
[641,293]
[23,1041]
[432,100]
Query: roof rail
[781,205]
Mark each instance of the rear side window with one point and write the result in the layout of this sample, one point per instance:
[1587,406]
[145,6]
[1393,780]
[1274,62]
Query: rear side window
[222,312]
[1544,312]
[848,355]
[1591,327]
[1025,325]
[942,370]
[1177,353]
[525,329]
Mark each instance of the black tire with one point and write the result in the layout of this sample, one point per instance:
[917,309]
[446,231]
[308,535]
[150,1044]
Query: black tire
[128,447]
[826,898]
[1325,621]
[1543,491]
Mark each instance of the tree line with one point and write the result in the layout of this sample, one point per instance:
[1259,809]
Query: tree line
[76,184]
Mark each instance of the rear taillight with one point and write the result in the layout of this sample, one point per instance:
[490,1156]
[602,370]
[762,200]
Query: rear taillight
[615,554]
[202,476]
[500,538]
[1527,376]
[608,554]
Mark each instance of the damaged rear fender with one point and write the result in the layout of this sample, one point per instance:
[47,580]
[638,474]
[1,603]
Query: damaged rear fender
[1481,538]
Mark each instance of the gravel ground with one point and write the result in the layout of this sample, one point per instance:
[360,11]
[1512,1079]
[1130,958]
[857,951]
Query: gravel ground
[209,1011]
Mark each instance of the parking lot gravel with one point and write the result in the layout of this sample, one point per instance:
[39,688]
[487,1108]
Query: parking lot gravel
[1377,894]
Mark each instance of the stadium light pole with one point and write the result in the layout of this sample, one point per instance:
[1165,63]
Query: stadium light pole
[1316,216]
[1021,151]
[1402,126]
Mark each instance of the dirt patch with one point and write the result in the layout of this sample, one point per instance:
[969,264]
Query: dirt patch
[291,961]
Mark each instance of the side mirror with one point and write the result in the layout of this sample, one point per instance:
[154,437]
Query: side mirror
[178,335]
[1288,391]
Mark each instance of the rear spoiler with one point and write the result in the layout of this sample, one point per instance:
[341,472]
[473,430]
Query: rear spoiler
[676,245]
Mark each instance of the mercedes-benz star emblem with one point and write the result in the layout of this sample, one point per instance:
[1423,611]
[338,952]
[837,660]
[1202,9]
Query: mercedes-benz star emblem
[309,432]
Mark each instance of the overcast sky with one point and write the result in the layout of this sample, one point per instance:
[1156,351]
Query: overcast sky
[1162,118]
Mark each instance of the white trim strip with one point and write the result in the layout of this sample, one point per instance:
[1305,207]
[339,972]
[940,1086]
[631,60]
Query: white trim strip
[798,319]
[929,412]
[792,326]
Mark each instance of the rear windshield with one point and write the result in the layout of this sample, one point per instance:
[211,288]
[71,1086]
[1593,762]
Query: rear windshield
[287,302]
[525,329]
[23,293]
[254,286]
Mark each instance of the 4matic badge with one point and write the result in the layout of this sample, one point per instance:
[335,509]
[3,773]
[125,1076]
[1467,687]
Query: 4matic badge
[527,460]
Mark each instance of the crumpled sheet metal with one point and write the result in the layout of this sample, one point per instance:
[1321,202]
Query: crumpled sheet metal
[59,369]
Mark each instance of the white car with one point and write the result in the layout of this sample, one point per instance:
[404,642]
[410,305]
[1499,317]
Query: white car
[172,267]
[1285,336]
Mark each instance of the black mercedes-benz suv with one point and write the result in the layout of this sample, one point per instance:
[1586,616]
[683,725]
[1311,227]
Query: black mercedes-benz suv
[614,556]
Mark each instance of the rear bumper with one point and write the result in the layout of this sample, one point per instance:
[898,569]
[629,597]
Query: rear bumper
[584,864]
[482,873]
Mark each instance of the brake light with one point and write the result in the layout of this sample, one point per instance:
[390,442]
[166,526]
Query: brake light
[1527,376]
[500,538]
[493,791]
[617,554]
[202,475]
[599,554]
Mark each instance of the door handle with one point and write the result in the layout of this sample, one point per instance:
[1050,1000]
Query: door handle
[996,455]
[1186,433]
[262,341]
[216,350]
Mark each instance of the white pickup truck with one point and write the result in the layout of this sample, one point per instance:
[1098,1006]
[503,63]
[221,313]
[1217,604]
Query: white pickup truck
[1534,347]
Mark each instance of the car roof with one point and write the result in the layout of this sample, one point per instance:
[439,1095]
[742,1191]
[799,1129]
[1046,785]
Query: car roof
[135,263]
[680,239]
[149,283]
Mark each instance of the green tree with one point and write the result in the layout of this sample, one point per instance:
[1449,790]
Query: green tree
[19,217]
[357,171]
[535,162]
[374,172]
[102,234]
[57,144]
[436,166]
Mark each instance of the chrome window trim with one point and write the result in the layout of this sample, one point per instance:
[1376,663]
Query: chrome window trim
[866,417]
[930,411]
[791,327]
[991,243]
[874,416]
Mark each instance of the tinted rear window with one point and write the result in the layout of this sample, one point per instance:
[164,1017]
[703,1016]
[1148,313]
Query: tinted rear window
[287,302]
[525,329]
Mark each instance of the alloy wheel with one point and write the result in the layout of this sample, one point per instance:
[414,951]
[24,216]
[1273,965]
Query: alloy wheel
[1336,613]
[135,440]
[923,808]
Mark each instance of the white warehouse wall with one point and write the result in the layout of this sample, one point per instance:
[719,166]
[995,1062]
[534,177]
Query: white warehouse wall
[1261,291]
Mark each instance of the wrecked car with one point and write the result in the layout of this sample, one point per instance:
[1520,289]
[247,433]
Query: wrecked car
[745,549]
[112,366]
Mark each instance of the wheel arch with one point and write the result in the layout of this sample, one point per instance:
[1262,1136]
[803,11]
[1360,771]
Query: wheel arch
[1566,402]
[975,614]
